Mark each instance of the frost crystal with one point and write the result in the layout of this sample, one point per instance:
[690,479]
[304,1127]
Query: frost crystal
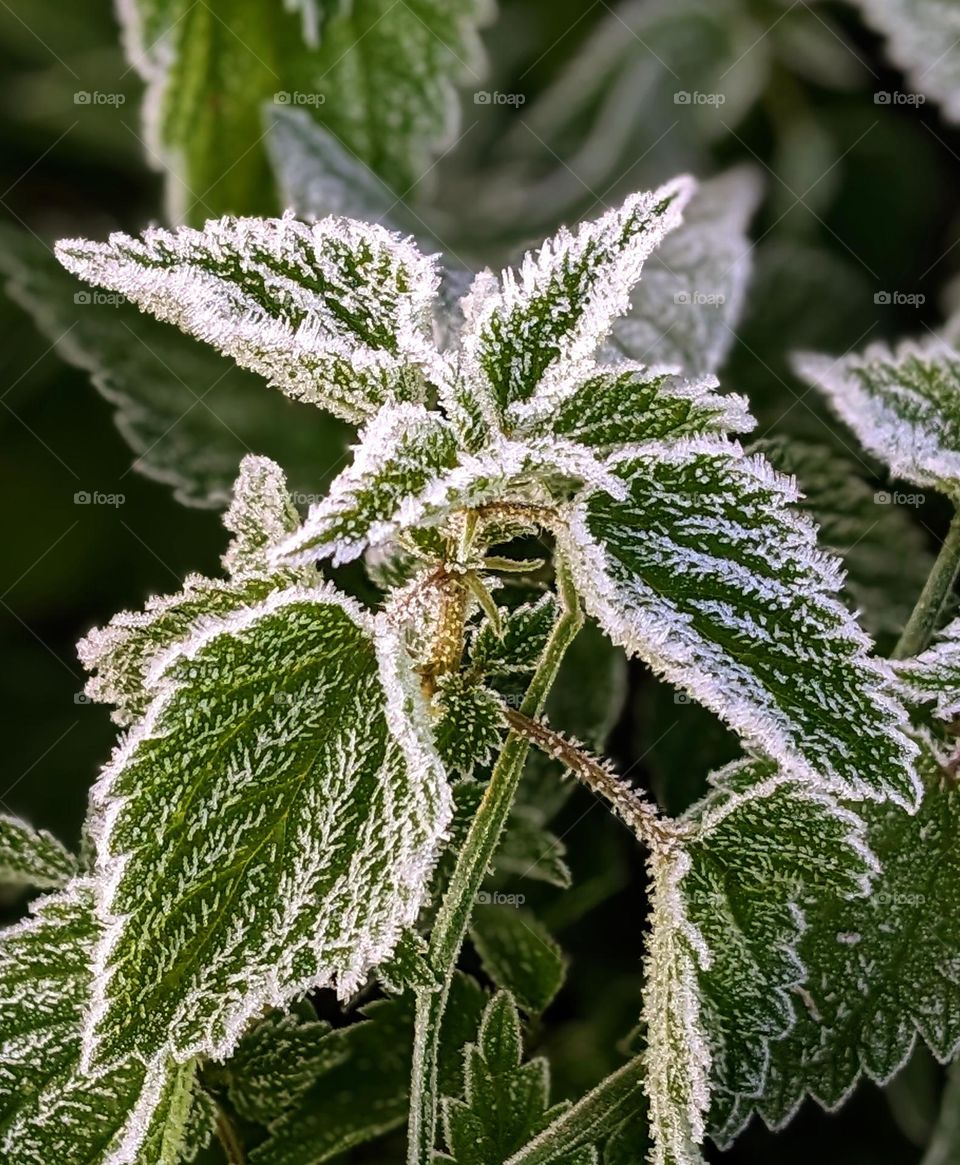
[337,313]
[903,405]
[30,857]
[270,826]
[934,675]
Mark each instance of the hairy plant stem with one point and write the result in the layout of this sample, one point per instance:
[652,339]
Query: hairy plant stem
[474,860]
[641,815]
[940,582]
[592,1117]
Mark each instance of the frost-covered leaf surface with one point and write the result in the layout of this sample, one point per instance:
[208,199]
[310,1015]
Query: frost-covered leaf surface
[363,1095]
[505,1100]
[208,81]
[707,574]
[627,403]
[884,552]
[518,953]
[50,1109]
[469,725]
[402,451]
[882,969]
[268,827]
[722,959]
[687,305]
[903,405]
[32,857]
[922,38]
[530,329]
[334,313]
[187,414]
[120,655]
[934,675]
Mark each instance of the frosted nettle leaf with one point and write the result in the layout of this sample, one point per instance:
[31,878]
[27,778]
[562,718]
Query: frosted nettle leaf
[934,675]
[269,827]
[687,306]
[539,471]
[498,1083]
[627,403]
[207,83]
[881,969]
[365,1094]
[319,176]
[51,1110]
[32,857]
[725,924]
[469,724]
[884,553]
[765,846]
[276,1062]
[903,405]
[523,635]
[402,450]
[518,953]
[188,414]
[260,516]
[527,332]
[335,313]
[119,655]
[707,574]
[922,38]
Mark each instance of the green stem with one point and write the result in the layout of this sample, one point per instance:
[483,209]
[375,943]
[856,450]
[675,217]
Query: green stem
[940,582]
[229,1141]
[474,860]
[593,1117]
[944,1147]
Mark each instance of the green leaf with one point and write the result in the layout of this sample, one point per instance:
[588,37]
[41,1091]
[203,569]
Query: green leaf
[505,1100]
[881,970]
[689,301]
[709,576]
[187,414]
[922,38]
[276,1062]
[121,655]
[764,848]
[400,453]
[469,727]
[933,677]
[517,648]
[626,403]
[885,554]
[518,954]
[207,81]
[364,1095]
[32,857]
[531,329]
[319,176]
[334,314]
[725,922]
[901,404]
[267,828]
[50,1109]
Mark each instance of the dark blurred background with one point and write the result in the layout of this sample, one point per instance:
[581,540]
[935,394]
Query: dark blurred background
[859,200]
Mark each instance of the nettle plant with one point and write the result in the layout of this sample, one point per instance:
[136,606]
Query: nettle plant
[312,791]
